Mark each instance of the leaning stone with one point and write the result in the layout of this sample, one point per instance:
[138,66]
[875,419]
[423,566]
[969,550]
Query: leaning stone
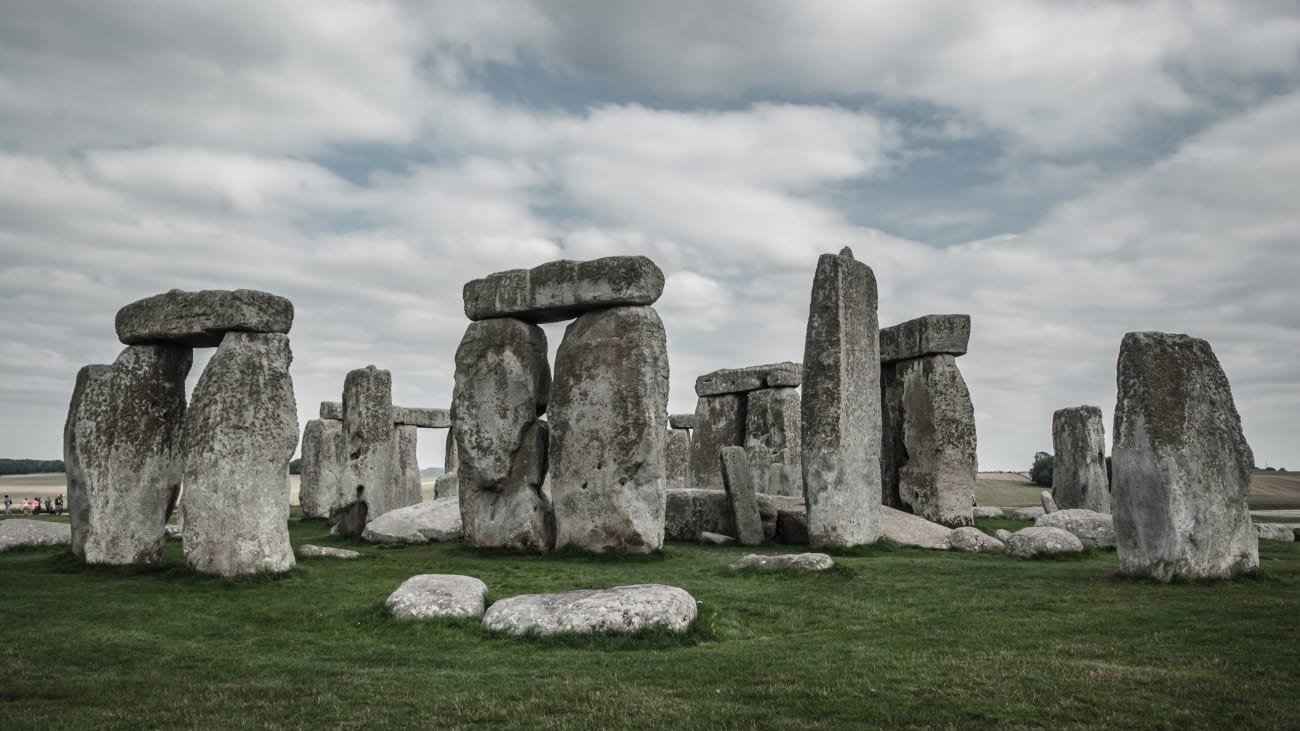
[19,532]
[772,435]
[681,421]
[421,417]
[925,336]
[332,410]
[240,432]
[1031,513]
[447,485]
[406,488]
[716,539]
[841,405]
[1049,503]
[752,378]
[905,529]
[438,595]
[201,319]
[78,501]
[793,561]
[1002,534]
[1181,465]
[1079,470]
[436,521]
[451,457]
[127,454]
[677,456]
[739,485]
[622,609]
[307,550]
[609,426]
[974,540]
[719,422]
[1275,532]
[1034,542]
[368,433]
[690,512]
[324,459]
[563,290]
[980,511]
[1092,528]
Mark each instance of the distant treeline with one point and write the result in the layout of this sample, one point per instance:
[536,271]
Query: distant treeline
[29,466]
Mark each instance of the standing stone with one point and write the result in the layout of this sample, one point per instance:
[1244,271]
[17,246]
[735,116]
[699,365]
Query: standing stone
[126,428]
[841,405]
[240,433]
[678,456]
[561,290]
[1181,464]
[365,491]
[406,488]
[451,458]
[323,466]
[1049,503]
[772,435]
[1079,471]
[201,319]
[503,384]
[719,422]
[609,419]
[739,483]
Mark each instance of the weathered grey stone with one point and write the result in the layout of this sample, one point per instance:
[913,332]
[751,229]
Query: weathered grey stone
[1049,503]
[447,485]
[422,417]
[974,540]
[367,489]
[841,405]
[981,511]
[716,539]
[436,521]
[677,456]
[772,435]
[751,378]
[925,336]
[438,595]
[1275,532]
[1002,534]
[1079,470]
[1181,465]
[78,502]
[905,529]
[126,453]
[563,290]
[20,532]
[681,421]
[324,463]
[406,489]
[793,561]
[201,319]
[332,410]
[240,432]
[1031,513]
[928,459]
[691,512]
[307,550]
[503,383]
[1092,528]
[451,458]
[719,422]
[739,484]
[620,609]
[609,425]
[1034,542]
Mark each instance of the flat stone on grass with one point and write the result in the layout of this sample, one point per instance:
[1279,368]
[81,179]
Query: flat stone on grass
[794,561]
[307,550]
[622,609]
[715,539]
[438,595]
[1032,513]
[17,532]
[974,540]
[1275,532]
[1035,542]
[1092,528]
[980,511]
[435,521]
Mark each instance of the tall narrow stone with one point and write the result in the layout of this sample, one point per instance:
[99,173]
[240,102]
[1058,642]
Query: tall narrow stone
[368,435]
[406,466]
[451,457]
[609,421]
[739,482]
[503,384]
[1079,470]
[841,405]
[1180,462]
[324,461]
[719,422]
[772,439]
[678,458]
[78,501]
[240,433]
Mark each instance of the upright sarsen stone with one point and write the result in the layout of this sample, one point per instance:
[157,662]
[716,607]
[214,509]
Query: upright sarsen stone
[406,466]
[240,433]
[841,405]
[324,461]
[678,458]
[719,422]
[609,422]
[78,502]
[772,439]
[739,483]
[366,491]
[1079,471]
[1181,465]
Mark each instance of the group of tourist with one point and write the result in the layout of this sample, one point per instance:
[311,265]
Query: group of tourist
[35,506]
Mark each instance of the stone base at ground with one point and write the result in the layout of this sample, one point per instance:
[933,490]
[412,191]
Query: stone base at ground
[622,609]
[438,595]
[793,561]
[18,532]
[436,521]
[1035,542]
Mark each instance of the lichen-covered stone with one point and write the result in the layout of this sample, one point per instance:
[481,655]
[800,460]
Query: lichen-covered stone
[438,595]
[719,422]
[1042,541]
[751,378]
[406,489]
[21,533]
[739,484]
[367,489]
[1079,477]
[78,501]
[332,410]
[716,539]
[1275,532]
[425,418]
[447,485]
[792,561]
[451,457]
[1030,513]
[436,521]
[1092,528]
[974,540]
[681,421]
[562,290]
[925,336]
[691,512]
[772,435]
[677,456]
[622,609]
[201,319]
[324,462]
[905,529]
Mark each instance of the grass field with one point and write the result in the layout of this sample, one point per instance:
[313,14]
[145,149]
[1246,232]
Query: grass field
[896,638]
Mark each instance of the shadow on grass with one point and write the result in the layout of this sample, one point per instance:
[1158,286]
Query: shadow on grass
[65,562]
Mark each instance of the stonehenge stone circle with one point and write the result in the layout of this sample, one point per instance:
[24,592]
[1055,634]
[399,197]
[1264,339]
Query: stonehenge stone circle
[324,460]
[332,410]
[201,319]
[368,436]
[840,420]
[1181,465]
[719,422]
[739,484]
[619,609]
[78,503]
[240,432]
[928,335]
[677,456]
[753,378]
[1079,477]
[772,434]
[563,290]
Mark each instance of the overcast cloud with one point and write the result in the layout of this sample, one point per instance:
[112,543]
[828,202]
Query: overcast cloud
[1064,172]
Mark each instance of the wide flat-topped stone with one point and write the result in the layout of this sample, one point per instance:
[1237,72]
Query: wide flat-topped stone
[17,532]
[681,421]
[563,290]
[436,520]
[752,378]
[331,410]
[422,417]
[620,609]
[200,319]
[438,595]
[929,335]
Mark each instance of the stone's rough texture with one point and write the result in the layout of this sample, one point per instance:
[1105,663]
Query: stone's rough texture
[423,418]
[563,290]
[928,461]
[677,458]
[332,410]
[1049,503]
[1181,465]
[925,336]
[1034,542]
[309,551]
[1275,532]
[841,405]
[18,532]
[716,539]
[324,463]
[447,485]
[974,540]
[436,521]
[438,595]
[406,488]
[980,511]
[240,432]
[719,422]
[753,378]
[367,486]
[503,383]
[609,426]
[620,609]
[906,529]
[1002,534]
[792,561]
[1092,528]
[451,458]
[691,512]
[201,319]
[1079,471]
[78,501]
[127,454]
[1032,513]
[681,421]
[772,435]
[739,484]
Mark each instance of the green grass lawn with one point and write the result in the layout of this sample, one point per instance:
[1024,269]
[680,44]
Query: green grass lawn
[897,638]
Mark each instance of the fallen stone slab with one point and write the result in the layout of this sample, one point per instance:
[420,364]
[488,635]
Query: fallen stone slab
[438,595]
[307,550]
[1034,542]
[980,511]
[18,532]
[681,421]
[794,561]
[1275,532]
[623,609]
[332,410]
[905,529]
[436,521]
[1092,528]
[751,378]
[563,290]
[928,335]
[200,319]
[974,540]
[422,417]
[1002,534]
[1032,513]
[716,539]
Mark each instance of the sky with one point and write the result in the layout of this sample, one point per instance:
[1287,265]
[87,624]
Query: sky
[1063,172]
